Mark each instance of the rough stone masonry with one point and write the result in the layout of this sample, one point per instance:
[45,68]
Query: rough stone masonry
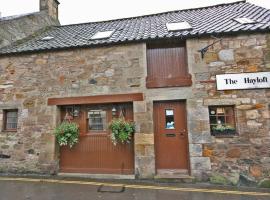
[28,80]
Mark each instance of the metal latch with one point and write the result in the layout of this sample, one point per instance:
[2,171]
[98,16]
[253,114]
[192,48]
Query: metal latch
[170,134]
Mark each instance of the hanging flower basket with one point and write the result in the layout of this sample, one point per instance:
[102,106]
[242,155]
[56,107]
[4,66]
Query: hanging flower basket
[121,131]
[67,134]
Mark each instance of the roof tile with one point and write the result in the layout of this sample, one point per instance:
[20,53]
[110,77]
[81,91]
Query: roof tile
[208,20]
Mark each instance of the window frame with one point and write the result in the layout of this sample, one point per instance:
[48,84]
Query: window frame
[234,133]
[105,129]
[5,112]
[173,117]
[99,35]
[105,108]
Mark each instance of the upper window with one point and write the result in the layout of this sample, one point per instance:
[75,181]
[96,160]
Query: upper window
[167,65]
[178,26]
[47,38]
[97,120]
[244,20]
[222,120]
[10,120]
[102,35]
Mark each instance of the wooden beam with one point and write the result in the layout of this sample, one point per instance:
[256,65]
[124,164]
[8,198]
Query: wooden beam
[168,82]
[99,99]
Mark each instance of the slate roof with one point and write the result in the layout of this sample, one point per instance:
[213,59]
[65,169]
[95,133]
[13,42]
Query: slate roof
[218,19]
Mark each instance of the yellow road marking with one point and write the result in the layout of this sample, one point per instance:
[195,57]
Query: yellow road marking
[149,187]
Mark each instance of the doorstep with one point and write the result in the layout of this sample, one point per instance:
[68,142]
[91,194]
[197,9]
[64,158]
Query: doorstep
[175,175]
[97,176]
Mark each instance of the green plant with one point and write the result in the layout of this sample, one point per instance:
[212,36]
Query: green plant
[121,130]
[67,133]
[223,127]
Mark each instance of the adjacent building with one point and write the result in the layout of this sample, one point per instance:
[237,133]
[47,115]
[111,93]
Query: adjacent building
[14,28]
[196,83]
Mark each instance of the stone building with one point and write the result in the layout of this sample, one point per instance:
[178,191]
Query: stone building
[18,27]
[195,82]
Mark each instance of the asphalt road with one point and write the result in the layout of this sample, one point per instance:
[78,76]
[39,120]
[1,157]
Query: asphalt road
[35,189]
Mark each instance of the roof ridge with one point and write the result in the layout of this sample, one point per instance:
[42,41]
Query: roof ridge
[12,17]
[155,14]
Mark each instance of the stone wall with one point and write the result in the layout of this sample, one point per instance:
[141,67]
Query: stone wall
[28,80]
[245,157]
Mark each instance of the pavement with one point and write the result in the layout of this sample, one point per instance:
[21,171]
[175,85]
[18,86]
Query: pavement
[55,188]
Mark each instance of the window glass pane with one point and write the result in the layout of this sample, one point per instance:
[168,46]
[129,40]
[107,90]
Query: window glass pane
[229,111]
[11,120]
[97,120]
[212,111]
[230,120]
[11,126]
[220,111]
[220,120]
[213,120]
[169,116]
[11,114]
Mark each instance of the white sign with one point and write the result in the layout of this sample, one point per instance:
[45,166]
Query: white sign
[243,81]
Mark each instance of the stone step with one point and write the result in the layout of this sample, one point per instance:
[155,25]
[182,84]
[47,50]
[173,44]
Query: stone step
[175,178]
[173,171]
[97,176]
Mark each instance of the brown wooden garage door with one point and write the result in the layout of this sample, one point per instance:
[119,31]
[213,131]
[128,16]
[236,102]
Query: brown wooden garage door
[95,153]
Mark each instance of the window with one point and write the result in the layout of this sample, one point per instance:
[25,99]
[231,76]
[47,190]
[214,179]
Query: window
[47,38]
[97,120]
[169,116]
[102,35]
[178,26]
[244,20]
[10,120]
[167,65]
[222,120]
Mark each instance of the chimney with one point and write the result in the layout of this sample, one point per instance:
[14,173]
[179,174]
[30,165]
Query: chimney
[50,6]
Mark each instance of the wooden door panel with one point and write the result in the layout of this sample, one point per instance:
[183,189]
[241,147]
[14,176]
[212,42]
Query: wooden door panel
[167,62]
[167,65]
[171,142]
[95,152]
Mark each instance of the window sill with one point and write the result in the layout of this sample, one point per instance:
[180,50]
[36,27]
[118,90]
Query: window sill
[94,134]
[9,131]
[225,136]
[181,81]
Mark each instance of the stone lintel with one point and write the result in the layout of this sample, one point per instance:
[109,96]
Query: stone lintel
[9,106]
[238,101]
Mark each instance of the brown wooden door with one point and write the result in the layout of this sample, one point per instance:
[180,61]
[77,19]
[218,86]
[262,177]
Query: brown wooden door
[171,139]
[95,153]
[167,65]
